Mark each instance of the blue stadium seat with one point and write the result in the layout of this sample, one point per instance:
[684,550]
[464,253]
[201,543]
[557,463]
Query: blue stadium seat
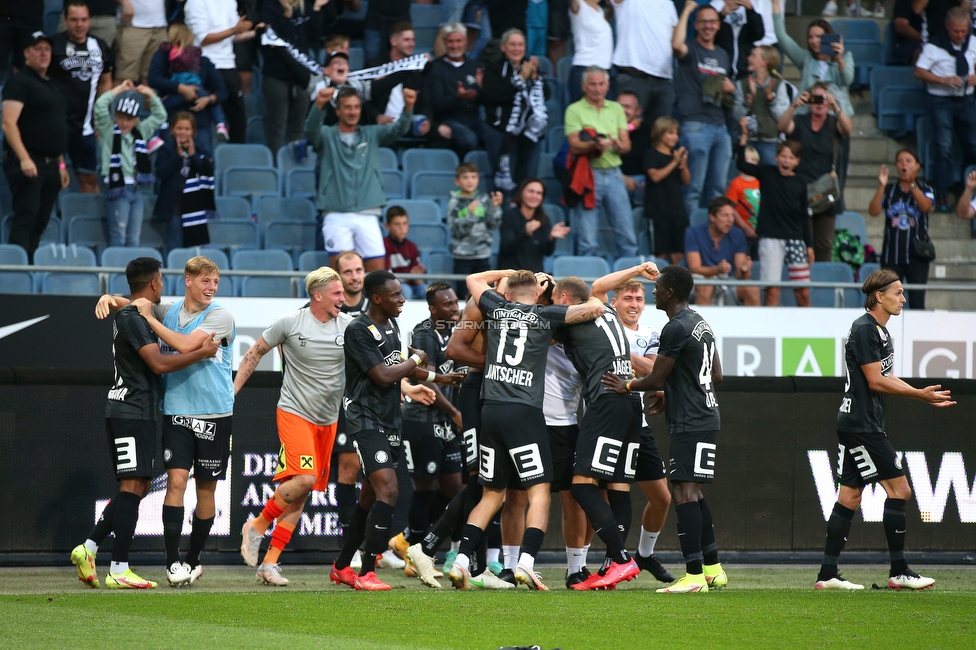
[300,183]
[890,77]
[480,158]
[862,274]
[563,67]
[14,281]
[890,53]
[233,235]
[66,283]
[420,211]
[291,236]
[267,260]
[700,215]
[432,185]
[52,233]
[233,208]
[854,223]
[425,15]
[88,230]
[423,160]
[867,57]
[828,272]
[584,266]
[251,182]
[866,31]
[626,262]
[661,262]
[899,107]
[393,184]
[554,189]
[287,160]
[429,236]
[425,36]
[554,140]
[357,58]
[255,135]
[276,208]
[153,234]
[74,203]
[119,256]
[555,212]
[438,262]
[242,155]
[388,158]
[545,67]
[555,110]
[311,260]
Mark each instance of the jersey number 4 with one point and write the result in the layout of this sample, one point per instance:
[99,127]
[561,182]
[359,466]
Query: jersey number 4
[705,374]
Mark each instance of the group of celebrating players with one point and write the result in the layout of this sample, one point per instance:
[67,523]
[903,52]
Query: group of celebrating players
[486,399]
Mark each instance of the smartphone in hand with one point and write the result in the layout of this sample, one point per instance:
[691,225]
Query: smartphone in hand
[827,43]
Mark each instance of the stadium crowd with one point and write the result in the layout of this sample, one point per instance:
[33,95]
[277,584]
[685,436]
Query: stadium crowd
[657,113]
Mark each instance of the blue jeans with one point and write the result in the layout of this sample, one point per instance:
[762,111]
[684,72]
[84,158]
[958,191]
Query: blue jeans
[525,156]
[414,291]
[766,150]
[709,150]
[124,217]
[952,117]
[466,137]
[611,195]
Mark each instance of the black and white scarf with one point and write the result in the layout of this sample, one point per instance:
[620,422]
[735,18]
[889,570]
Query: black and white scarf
[529,116]
[362,80]
[197,205]
[116,180]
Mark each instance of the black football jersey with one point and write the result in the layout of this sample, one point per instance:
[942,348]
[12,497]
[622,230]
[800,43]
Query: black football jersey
[135,393]
[425,337]
[595,348]
[359,308]
[690,403]
[367,405]
[516,348]
[862,409]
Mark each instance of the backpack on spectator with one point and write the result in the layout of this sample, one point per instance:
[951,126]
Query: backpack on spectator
[848,248]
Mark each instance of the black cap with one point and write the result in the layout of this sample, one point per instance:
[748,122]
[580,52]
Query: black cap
[336,55]
[37,37]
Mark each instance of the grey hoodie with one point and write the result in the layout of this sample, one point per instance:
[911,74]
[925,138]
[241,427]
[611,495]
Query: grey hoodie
[471,231]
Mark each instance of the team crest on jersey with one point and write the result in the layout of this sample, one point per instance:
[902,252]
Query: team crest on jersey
[375,332]
[881,332]
[340,340]
[642,342]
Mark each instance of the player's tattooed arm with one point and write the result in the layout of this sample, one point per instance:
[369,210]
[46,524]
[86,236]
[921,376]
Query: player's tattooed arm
[250,363]
[605,285]
[589,310]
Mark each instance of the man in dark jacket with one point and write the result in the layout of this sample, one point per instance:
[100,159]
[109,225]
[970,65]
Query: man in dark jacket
[741,27]
[455,93]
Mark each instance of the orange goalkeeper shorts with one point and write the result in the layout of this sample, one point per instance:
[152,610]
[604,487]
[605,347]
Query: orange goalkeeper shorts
[306,448]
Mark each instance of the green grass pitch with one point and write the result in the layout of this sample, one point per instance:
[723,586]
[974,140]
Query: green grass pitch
[762,607]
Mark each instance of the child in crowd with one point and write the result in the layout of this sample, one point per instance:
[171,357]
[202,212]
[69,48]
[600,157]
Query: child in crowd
[184,67]
[667,172]
[471,217]
[744,190]
[402,255]
[336,43]
[125,158]
[783,224]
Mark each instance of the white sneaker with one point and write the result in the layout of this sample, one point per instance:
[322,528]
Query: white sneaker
[177,574]
[529,578]
[195,573]
[910,580]
[830,9]
[357,561]
[423,566]
[488,580]
[852,10]
[250,544]
[388,560]
[837,582]
[879,11]
[270,574]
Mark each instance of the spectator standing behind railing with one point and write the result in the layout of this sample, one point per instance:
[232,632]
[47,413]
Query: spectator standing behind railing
[186,192]
[717,249]
[822,136]
[35,137]
[666,166]
[592,42]
[906,204]
[142,29]
[125,158]
[946,65]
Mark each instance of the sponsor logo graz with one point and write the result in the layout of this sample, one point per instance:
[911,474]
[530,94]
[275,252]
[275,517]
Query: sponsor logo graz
[203,429]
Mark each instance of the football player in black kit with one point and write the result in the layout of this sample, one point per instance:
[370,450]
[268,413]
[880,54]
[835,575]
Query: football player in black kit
[687,368]
[374,368]
[865,453]
[130,420]
[513,439]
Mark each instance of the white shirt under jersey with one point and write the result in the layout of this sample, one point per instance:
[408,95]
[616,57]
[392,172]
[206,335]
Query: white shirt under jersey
[314,363]
[563,389]
[211,17]
[592,37]
[644,30]
[644,342]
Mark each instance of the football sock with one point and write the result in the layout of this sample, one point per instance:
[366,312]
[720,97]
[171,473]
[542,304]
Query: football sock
[645,547]
[353,535]
[838,527]
[894,527]
[709,548]
[619,501]
[491,557]
[494,531]
[689,535]
[586,550]
[444,525]
[417,517]
[531,543]
[462,561]
[91,546]
[470,538]
[480,557]
[198,539]
[377,534]
[279,540]
[118,567]
[102,527]
[456,545]
[124,525]
[601,516]
[172,531]
[437,505]
[345,503]
[272,510]
[574,560]
[510,554]
[472,496]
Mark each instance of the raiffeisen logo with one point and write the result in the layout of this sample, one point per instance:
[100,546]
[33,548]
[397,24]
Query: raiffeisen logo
[932,499]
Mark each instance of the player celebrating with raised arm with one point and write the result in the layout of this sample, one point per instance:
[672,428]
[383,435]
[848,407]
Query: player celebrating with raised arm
[865,453]
[130,421]
[311,340]
[687,368]
[374,368]
[513,435]
[651,472]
